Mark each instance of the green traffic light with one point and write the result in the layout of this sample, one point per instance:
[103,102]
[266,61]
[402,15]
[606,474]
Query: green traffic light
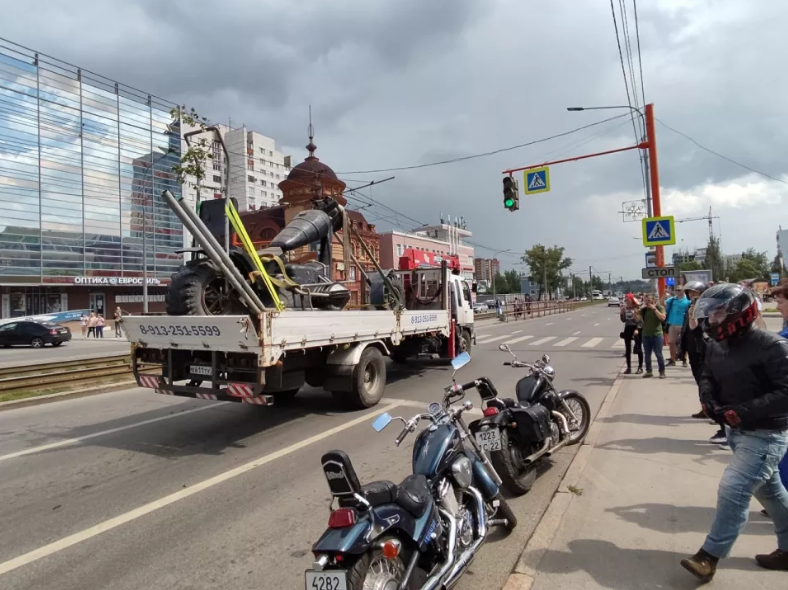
[508,202]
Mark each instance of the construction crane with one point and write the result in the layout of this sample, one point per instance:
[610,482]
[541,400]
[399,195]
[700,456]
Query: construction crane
[708,217]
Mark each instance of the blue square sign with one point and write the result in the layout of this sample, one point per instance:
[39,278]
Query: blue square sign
[537,180]
[659,231]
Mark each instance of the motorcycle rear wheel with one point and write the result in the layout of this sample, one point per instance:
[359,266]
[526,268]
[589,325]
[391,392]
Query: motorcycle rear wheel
[518,480]
[374,570]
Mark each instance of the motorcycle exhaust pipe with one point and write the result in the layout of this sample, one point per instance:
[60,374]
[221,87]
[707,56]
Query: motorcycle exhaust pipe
[562,419]
[532,458]
[433,581]
[467,556]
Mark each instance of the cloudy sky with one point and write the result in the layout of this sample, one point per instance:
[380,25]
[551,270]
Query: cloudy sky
[395,83]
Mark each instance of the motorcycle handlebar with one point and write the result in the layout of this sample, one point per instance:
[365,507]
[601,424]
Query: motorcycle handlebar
[469,385]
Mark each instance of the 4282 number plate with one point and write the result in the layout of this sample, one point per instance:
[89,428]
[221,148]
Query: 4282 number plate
[325,580]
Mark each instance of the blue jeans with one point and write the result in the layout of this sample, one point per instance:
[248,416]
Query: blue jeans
[654,344]
[753,471]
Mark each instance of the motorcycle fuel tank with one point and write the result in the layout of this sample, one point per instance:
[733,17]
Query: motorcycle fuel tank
[432,451]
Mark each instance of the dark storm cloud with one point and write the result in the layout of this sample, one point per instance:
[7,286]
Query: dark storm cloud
[401,82]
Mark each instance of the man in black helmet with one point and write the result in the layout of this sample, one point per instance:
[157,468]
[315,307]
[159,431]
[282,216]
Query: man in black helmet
[745,383]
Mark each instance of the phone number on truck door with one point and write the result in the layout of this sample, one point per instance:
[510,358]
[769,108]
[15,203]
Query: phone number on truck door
[180,330]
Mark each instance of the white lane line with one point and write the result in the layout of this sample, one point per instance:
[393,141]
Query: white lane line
[71,441]
[112,523]
[493,339]
[596,324]
[516,340]
[592,343]
[516,332]
[542,341]
[608,319]
[576,333]
[549,324]
[619,344]
[569,318]
[565,341]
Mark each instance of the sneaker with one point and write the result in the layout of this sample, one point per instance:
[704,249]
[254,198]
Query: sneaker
[764,513]
[685,364]
[639,371]
[671,363]
[662,374]
[719,438]
[776,560]
[628,372]
[700,415]
[648,375]
[702,565]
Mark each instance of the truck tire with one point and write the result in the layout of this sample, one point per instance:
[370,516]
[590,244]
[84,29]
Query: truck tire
[368,380]
[466,342]
[199,289]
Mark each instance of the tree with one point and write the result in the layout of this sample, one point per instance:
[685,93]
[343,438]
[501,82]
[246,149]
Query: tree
[752,266]
[546,263]
[512,281]
[690,265]
[501,284]
[579,287]
[714,260]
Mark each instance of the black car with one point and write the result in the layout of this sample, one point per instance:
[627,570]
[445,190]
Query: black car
[34,334]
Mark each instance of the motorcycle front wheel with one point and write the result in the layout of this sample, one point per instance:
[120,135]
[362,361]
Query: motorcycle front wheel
[507,462]
[374,571]
[578,428]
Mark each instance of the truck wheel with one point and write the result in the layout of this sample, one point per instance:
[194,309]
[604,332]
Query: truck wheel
[466,342]
[369,379]
[200,289]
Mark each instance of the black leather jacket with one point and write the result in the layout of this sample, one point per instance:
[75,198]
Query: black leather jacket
[748,374]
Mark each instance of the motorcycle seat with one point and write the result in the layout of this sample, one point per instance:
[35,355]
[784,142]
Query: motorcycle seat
[414,495]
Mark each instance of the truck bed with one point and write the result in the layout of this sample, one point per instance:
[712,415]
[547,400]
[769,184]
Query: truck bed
[275,333]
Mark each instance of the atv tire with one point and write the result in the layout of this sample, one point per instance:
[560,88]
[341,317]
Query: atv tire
[200,289]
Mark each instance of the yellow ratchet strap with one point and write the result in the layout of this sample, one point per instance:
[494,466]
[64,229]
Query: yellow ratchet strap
[238,225]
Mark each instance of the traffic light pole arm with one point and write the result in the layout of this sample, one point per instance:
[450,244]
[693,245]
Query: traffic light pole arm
[644,145]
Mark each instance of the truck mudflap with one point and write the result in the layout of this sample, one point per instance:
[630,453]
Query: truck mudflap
[246,393]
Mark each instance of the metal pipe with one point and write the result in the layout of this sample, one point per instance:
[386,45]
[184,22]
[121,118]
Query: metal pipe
[434,580]
[466,556]
[214,251]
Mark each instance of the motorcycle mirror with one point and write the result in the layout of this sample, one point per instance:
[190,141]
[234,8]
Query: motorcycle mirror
[504,348]
[545,359]
[381,421]
[460,361]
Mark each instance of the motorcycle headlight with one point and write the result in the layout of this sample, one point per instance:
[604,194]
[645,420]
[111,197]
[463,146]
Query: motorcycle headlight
[549,371]
[461,472]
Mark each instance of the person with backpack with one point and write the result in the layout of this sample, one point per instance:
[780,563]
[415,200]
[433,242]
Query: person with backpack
[744,382]
[676,309]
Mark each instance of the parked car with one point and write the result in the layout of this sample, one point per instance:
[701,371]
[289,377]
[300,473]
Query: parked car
[480,308]
[491,304]
[35,334]
[613,302]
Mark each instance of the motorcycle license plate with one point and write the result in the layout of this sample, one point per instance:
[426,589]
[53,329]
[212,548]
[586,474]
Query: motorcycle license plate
[489,440]
[326,580]
[200,370]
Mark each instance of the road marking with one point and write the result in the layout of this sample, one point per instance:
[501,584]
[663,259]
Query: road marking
[576,333]
[549,324]
[112,523]
[596,324]
[516,332]
[516,340]
[592,343]
[565,341]
[493,339]
[619,344]
[567,319]
[71,441]
[542,341]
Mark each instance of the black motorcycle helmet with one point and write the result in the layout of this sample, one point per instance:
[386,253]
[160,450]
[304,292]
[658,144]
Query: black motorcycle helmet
[725,309]
[697,286]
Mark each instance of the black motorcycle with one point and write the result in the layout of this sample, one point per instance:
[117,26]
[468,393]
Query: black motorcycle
[423,532]
[519,433]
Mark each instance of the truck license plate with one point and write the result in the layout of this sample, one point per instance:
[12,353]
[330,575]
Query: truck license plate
[489,440]
[327,580]
[200,370]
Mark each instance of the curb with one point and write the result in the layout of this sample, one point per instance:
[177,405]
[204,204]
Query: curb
[56,397]
[524,574]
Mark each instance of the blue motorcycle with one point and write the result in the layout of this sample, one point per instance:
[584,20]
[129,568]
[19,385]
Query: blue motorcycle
[424,532]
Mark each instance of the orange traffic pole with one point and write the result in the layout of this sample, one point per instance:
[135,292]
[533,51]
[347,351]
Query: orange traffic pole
[651,139]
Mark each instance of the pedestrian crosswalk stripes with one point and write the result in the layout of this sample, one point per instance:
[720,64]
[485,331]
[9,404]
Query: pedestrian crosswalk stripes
[488,340]
[542,341]
[566,341]
[592,343]
[516,340]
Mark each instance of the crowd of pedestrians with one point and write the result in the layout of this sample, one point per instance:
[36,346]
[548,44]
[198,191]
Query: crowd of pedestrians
[742,374]
[94,323]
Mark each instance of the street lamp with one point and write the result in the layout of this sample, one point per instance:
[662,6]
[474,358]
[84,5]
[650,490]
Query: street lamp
[643,138]
[494,276]
[155,161]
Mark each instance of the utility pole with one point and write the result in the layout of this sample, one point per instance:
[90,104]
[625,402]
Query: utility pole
[609,284]
[590,281]
[544,274]
[651,134]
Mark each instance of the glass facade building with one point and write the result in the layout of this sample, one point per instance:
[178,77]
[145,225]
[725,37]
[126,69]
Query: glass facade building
[83,162]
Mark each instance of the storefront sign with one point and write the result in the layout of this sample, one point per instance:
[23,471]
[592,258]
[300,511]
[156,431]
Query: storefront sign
[112,281]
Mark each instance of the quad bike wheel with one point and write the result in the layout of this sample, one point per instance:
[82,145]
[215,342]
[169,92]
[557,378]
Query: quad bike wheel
[200,289]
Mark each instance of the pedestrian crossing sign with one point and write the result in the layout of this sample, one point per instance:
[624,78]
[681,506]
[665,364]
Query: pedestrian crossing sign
[537,180]
[659,231]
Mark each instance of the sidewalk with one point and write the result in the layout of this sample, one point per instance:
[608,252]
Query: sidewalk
[639,498]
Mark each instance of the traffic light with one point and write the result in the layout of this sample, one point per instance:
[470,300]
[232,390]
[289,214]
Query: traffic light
[511,194]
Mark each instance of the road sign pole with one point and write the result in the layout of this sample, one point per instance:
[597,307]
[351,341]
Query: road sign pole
[651,138]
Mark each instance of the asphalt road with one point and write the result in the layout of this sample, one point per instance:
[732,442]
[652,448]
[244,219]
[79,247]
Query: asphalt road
[77,348]
[132,490]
